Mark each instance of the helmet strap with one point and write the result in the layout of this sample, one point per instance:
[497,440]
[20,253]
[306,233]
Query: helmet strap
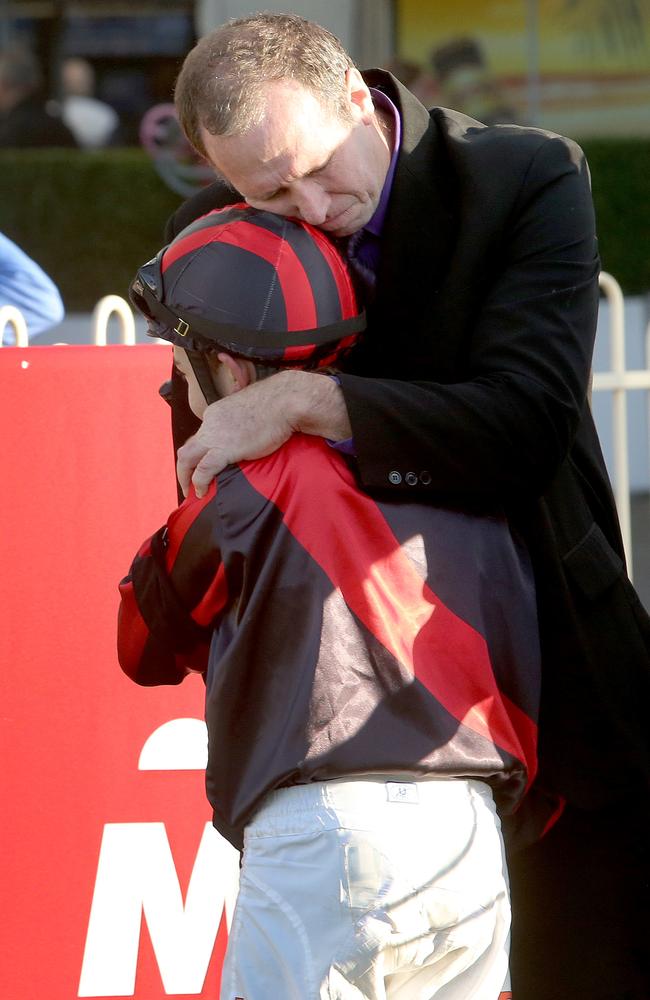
[204,375]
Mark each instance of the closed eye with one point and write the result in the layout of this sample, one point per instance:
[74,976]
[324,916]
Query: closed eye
[270,195]
[322,168]
[273,194]
[267,196]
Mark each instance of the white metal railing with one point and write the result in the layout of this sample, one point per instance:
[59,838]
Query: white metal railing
[110,305]
[11,316]
[618,380]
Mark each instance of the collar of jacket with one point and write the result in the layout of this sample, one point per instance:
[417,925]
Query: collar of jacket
[419,231]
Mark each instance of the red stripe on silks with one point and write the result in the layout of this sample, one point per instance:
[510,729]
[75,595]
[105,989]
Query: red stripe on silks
[301,351]
[348,341]
[298,351]
[554,817]
[194,240]
[145,549]
[298,296]
[206,229]
[213,601]
[442,651]
[338,353]
[182,520]
[297,292]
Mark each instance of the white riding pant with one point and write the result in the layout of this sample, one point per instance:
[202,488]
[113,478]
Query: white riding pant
[372,888]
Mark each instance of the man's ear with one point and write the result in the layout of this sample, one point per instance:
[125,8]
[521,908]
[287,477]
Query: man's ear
[241,371]
[360,98]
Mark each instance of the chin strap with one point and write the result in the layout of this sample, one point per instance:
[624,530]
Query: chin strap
[204,377]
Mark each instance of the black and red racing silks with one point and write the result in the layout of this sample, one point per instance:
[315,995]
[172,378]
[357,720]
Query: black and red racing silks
[338,635]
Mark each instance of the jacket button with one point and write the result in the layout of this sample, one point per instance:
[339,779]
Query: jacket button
[425,478]
[394,478]
[411,478]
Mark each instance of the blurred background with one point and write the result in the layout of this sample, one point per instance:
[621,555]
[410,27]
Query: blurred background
[90,146]
[580,67]
[92,161]
[93,80]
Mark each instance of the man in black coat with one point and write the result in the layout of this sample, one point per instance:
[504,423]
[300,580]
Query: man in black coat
[477,252]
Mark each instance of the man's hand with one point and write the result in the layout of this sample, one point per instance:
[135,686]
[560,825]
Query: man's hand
[257,420]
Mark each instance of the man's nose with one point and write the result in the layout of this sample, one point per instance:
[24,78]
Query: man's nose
[311,201]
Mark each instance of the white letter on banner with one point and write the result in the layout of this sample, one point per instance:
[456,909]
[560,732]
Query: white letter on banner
[136,874]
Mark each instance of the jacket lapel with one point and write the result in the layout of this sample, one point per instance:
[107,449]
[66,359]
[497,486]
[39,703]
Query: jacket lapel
[419,229]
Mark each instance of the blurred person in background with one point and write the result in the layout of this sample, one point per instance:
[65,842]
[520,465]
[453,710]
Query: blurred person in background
[24,118]
[464,81]
[26,286]
[418,80]
[92,122]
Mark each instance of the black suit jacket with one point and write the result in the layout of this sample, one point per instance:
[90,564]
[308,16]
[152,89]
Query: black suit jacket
[471,388]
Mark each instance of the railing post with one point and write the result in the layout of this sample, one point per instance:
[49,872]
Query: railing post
[614,295]
[102,313]
[13,315]
[647,366]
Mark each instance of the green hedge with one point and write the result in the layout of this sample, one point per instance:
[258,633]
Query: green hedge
[90,219]
[620,179]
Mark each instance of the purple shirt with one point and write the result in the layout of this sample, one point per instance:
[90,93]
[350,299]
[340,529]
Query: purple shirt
[376,223]
[364,246]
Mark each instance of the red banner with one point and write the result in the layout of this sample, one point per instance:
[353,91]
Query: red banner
[114,882]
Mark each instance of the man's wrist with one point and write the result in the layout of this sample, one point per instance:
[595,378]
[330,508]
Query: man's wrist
[316,405]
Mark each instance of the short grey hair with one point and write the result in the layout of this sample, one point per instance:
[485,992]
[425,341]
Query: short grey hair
[221,84]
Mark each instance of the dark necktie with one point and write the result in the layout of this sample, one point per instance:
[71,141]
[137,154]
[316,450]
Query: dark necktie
[363,256]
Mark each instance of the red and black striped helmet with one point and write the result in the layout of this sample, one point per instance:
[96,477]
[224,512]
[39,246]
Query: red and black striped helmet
[263,287]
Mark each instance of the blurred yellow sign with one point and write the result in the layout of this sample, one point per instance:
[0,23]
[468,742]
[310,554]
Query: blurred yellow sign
[580,67]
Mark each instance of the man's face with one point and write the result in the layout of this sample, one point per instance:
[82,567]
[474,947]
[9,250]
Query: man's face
[306,162]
